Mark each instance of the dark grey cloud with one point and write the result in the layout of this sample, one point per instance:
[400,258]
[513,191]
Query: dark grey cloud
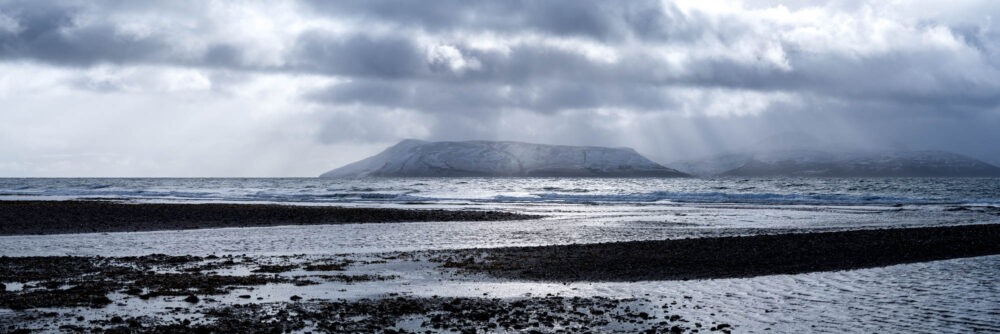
[594,72]
[358,55]
[77,34]
[608,22]
[546,80]
[484,98]
[54,33]
[599,20]
[48,33]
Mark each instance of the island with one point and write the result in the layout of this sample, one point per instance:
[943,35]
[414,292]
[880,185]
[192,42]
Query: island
[418,158]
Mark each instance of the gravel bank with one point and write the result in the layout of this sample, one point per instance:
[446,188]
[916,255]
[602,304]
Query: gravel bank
[730,256]
[59,217]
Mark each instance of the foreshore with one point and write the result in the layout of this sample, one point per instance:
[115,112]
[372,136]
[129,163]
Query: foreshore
[60,217]
[226,293]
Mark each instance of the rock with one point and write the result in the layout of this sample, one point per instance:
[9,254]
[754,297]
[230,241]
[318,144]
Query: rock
[192,299]
[72,328]
[295,298]
[94,300]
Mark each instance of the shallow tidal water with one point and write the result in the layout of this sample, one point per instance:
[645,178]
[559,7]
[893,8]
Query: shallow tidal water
[958,295]
[563,224]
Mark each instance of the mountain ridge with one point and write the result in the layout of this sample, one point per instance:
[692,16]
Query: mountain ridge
[822,163]
[419,158]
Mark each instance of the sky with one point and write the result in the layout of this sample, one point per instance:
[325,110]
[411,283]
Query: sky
[296,88]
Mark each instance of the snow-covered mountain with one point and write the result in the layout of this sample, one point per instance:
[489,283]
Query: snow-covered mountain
[712,166]
[803,162]
[502,158]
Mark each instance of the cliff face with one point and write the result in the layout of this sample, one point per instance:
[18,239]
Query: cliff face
[494,158]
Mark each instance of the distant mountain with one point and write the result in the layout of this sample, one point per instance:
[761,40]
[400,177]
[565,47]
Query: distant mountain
[714,165]
[840,164]
[794,140]
[502,158]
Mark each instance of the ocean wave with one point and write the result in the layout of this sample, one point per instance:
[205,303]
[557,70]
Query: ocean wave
[560,189]
[547,197]
[96,193]
[722,197]
[760,192]
[326,197]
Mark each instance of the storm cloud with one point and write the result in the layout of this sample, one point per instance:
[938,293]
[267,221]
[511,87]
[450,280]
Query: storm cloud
[339,79]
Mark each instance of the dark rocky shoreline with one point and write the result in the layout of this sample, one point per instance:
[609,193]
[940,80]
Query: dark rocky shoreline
[57,217]
[222,293]
[728,257]
[550,314]
[58,290]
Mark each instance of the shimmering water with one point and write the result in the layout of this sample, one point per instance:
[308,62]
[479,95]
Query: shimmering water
[822,191]
[576,210]
[959,295]
[563,224]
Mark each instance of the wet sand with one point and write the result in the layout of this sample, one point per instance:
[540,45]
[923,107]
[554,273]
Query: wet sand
[728,257]
[58,217]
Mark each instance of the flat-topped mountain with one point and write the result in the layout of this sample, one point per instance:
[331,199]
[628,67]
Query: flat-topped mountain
[821,163]
[502,158]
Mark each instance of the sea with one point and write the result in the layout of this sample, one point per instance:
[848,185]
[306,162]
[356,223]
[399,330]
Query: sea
[958,295]
[573,210]
[381,191]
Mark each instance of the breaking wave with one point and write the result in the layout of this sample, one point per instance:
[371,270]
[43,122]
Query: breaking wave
[723,197]
[514,190]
